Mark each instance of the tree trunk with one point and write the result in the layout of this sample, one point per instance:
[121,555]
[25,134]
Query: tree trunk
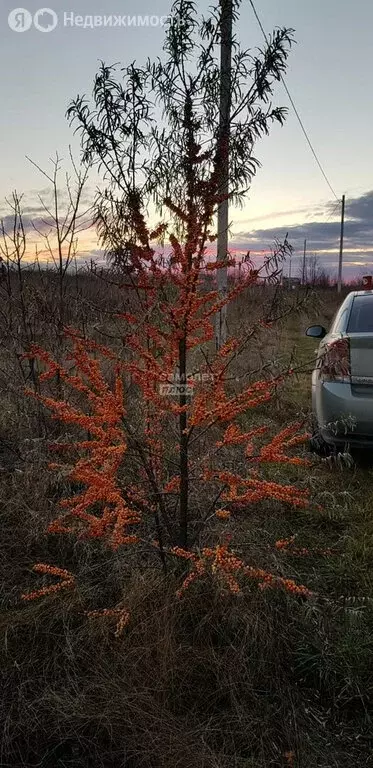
[184,480]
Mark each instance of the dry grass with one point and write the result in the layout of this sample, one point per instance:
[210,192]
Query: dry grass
[208,682]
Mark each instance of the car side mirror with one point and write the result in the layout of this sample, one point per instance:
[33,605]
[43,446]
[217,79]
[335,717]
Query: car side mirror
[316,331]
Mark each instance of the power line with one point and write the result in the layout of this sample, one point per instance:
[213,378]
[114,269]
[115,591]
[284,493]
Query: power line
[295,109]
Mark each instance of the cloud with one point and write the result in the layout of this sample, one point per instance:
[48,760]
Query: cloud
[361,208]
[30,223]
[323,235]
[38,223]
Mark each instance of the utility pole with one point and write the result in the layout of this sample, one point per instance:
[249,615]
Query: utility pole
[304,263]
[341,246]
[226,31]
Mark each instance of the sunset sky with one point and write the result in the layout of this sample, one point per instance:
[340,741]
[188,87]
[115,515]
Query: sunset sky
[329,78]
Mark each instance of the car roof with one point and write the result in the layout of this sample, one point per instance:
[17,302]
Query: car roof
[360,293]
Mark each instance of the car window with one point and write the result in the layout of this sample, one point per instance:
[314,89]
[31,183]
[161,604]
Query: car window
[339,321]
[361,319]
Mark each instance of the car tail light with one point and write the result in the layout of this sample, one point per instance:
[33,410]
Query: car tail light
[334,363]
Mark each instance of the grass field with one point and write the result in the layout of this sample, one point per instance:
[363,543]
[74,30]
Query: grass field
[259,681]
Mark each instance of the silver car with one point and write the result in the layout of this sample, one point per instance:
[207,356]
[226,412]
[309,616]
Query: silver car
[342,381]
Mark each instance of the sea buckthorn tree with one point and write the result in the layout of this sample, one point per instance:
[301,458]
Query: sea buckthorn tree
[157,424]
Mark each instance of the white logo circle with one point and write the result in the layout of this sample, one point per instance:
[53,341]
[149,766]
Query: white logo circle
[20,20]
[45,20]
